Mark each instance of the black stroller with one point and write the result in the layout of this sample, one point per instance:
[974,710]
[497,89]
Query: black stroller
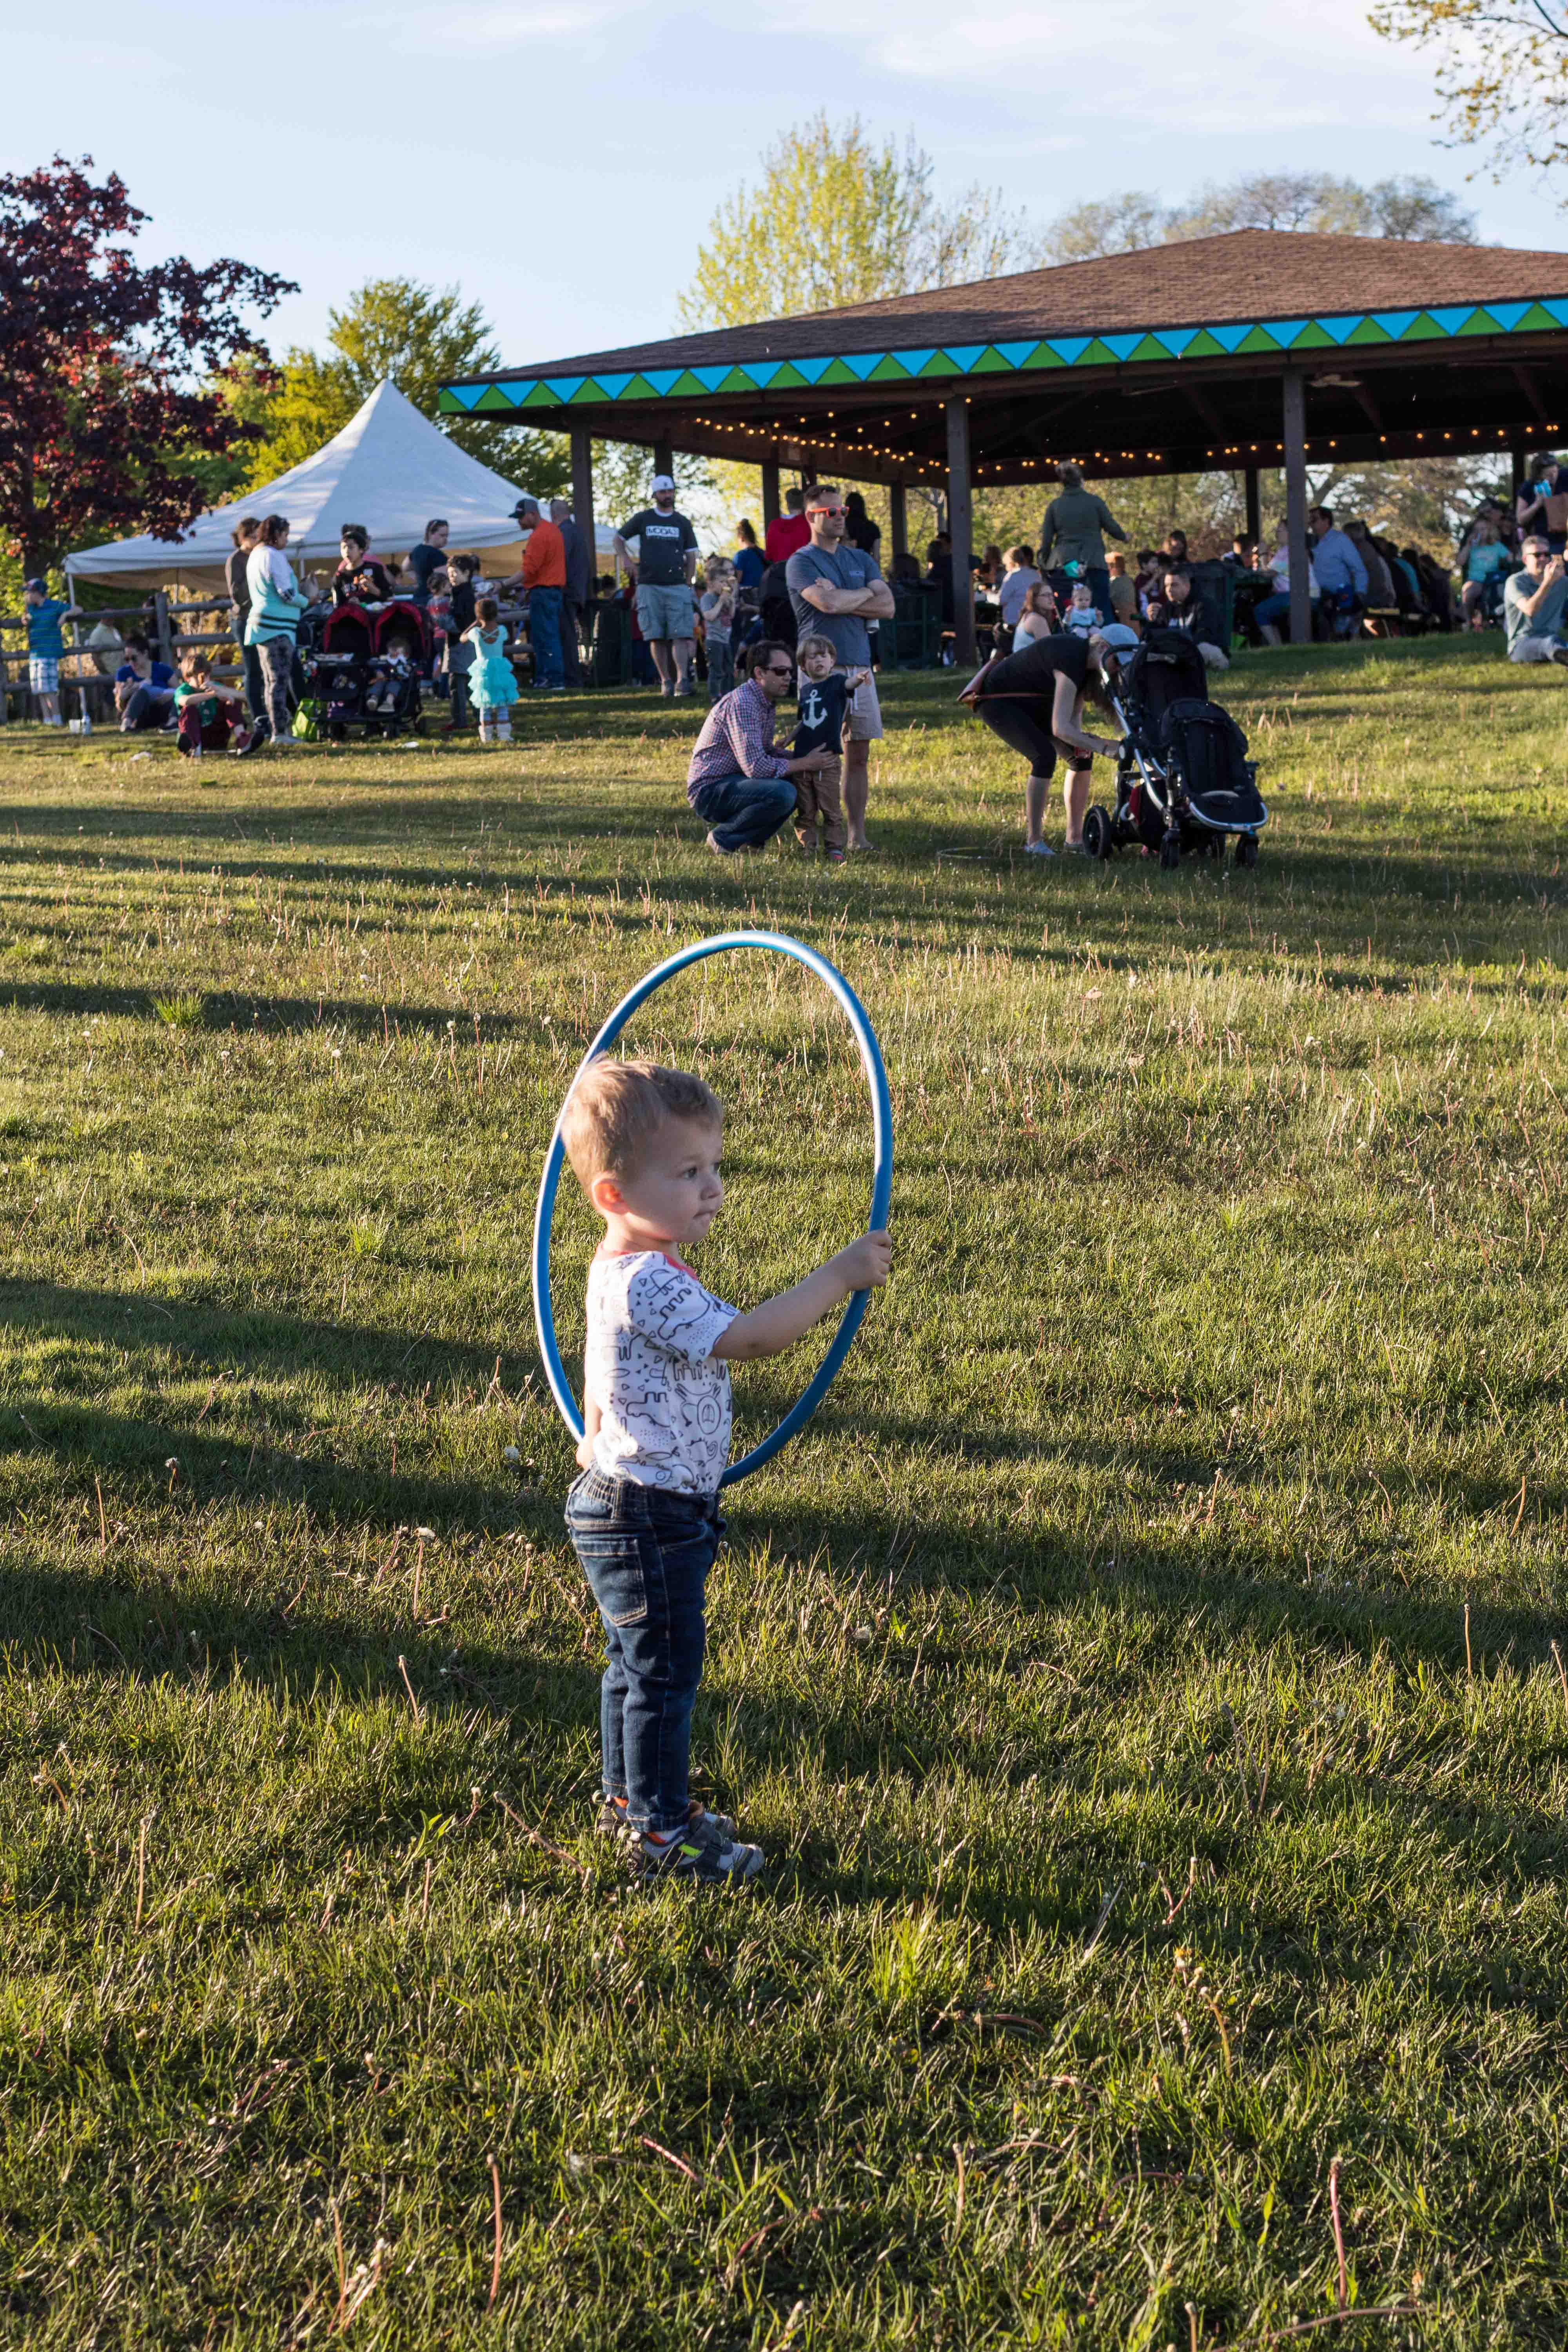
[1184,780]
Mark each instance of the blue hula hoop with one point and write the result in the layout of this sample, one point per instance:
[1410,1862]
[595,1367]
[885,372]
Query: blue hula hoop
[800,1412]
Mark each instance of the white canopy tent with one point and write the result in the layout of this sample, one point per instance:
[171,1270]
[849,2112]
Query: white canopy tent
[389,469]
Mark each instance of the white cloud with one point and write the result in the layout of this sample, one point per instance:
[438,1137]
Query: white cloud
[1197,72]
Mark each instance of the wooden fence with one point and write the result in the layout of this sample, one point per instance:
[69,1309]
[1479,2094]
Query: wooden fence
[158,618]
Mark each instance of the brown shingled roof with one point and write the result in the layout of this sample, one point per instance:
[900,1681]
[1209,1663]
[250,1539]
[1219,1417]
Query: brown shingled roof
[1249,274]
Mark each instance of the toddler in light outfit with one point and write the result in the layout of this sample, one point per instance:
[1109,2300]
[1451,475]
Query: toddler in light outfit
[645,1143]
[492,681]
[1082,614]
[717,606]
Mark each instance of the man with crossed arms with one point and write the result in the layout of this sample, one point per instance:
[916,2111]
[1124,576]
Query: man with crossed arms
[835,589]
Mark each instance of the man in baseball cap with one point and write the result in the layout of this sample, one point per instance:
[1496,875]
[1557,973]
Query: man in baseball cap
[545,587]
[664,569]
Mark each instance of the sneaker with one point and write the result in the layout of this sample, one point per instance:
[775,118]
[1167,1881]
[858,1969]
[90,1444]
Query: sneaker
[1560,653]
[716,846]
[694,1851]
[836,857]
[1038,849]
[612,1820]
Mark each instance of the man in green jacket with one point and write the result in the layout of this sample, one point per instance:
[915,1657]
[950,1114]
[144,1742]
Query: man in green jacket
[1072,535]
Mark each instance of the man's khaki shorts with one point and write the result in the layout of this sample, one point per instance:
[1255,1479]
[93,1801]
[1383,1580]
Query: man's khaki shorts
[866,712]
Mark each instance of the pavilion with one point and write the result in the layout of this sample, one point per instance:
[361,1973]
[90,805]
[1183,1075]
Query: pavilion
[1257,348]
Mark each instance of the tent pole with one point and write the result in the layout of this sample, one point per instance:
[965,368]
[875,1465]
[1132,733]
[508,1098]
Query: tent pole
[1254,507]
[898,518]
[770,493]
[663,458]
[1295,421]
[961,523]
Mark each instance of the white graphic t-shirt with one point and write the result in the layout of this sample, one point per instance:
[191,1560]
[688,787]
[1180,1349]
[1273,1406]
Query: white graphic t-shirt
[663,1397]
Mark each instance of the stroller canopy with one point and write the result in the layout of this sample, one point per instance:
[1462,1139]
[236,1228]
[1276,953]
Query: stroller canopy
[389,469]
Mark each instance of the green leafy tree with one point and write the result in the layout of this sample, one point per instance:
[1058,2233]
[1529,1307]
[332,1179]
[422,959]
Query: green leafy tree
[1500,73]
[835,219]
[421,337]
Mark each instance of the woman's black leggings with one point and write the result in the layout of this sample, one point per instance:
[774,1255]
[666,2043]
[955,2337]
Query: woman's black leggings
[1025,726]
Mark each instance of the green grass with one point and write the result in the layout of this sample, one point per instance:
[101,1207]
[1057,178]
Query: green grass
[1146,1829]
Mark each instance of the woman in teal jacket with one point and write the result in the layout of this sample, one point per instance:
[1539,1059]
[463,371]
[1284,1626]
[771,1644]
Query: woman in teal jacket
[277,601]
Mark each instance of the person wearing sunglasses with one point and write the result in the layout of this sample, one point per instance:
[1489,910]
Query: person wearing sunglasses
[739,782]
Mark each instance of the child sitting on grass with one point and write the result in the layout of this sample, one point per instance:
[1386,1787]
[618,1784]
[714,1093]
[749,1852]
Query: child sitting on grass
[644,1517]
[210,720]
[826,692]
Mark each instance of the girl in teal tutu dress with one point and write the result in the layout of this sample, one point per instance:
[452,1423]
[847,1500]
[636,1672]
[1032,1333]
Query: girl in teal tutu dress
[492,681]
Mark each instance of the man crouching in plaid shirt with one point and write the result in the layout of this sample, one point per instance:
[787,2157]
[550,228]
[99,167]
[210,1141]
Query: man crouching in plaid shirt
[738,782]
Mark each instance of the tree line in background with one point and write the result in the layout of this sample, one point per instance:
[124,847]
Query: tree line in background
[131,396]
[835,217]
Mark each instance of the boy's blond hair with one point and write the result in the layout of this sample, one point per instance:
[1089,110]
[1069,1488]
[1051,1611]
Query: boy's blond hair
[617,1107]
[814,642]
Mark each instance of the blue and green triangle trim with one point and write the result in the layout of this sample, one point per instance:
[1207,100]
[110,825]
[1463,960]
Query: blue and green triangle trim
[1141,347]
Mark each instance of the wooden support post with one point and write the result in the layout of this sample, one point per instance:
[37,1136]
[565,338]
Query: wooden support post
[583,492]
[1516,459]
[663,458]
[770,493]
[899,518]
[1254,507]
[961,523]
[162,628]
[1295,429]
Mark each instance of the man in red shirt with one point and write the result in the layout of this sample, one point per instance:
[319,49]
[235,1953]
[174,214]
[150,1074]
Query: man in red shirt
[544,587]
[789,530]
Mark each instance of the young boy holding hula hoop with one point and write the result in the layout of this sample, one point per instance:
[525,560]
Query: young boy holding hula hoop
[645,1143]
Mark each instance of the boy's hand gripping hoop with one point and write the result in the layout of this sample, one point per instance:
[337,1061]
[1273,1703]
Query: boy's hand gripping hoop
[800,1412]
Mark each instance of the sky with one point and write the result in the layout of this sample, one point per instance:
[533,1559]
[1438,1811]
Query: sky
[561,159]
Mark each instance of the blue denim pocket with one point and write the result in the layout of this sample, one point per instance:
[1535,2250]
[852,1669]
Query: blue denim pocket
[616,1576]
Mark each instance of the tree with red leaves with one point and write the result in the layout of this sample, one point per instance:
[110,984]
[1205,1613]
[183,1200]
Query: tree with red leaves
[112,376]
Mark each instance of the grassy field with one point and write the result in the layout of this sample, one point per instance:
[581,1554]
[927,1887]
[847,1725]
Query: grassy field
[1139,1676]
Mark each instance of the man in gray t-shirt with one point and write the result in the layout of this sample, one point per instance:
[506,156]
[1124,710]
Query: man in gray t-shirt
[834,590]
[1532,602]
[664,568]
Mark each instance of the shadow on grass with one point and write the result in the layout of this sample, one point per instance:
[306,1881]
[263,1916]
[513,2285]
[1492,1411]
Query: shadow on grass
[260,1462]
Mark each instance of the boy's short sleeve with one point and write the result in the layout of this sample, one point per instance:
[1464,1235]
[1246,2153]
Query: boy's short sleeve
[669,1306]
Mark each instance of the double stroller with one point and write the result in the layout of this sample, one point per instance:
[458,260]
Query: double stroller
[366,673]
[1183,781]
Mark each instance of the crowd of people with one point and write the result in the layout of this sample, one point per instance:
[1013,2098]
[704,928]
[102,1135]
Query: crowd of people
[813,586]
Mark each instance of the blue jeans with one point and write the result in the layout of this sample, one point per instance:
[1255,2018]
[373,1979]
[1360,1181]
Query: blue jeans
[742,811]
[1275,609]
[721,668]
[148,706]
[544,636]
[647,1555]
